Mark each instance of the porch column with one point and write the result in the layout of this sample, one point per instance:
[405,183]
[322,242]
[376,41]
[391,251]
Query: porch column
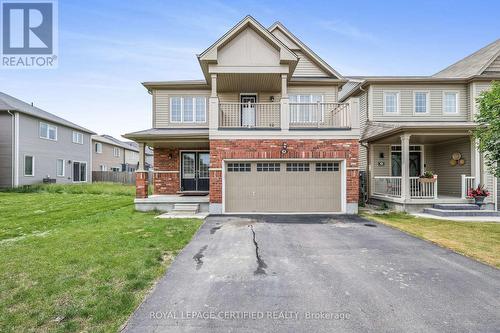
[141,175]
[213,105]
[284,104]
[405,166]
[475,165]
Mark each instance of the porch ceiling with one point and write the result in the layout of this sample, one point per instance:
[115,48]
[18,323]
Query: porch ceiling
[172,137]
[419,138]
[249,82]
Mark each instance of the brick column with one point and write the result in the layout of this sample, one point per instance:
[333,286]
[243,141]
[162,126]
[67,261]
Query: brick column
[141,184]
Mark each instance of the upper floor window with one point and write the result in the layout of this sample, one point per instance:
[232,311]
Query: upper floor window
[98,147]
[450,102]
[77,137]
[48,131]
[305,108]
[116,152]
[421,102]
[188,109]
[391,102]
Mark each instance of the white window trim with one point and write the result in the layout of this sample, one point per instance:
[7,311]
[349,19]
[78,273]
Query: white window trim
[427,102]
[100,150]
[48,130]
[398,101]
[103,167]
[310,97]
[77,134]
[32,165]
[457,104]
[86,172]
[116,149]
[194,121]
[63,168]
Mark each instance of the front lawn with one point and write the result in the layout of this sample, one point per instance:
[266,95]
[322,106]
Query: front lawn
[479,240]
[79,258]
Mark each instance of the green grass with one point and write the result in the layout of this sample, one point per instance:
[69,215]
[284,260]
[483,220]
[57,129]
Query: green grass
[73,259]
[478,240]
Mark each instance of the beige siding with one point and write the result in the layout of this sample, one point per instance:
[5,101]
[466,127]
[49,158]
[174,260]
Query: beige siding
[161,107]
[494,67]
[406,92]
[481,86]
[262,97]
[307,68]
[363,117]
[330,92]
[106,157]
[381,166]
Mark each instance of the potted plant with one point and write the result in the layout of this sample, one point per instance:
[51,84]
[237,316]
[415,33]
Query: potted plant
[478,194]
[427,177]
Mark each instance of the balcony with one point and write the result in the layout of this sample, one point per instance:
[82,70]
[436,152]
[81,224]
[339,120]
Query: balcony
[297,116]
[249,115]
[319,115]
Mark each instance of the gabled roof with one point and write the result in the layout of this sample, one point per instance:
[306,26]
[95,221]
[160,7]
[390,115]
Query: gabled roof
[113,141]
[317,60]
[210,54]
[473,64]
[9,103]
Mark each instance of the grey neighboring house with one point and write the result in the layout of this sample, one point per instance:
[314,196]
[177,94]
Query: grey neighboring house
[35,145]
[111,154]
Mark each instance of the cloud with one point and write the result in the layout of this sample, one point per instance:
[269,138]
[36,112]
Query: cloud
[347,29]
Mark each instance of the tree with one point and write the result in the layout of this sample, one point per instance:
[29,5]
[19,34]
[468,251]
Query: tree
[488,130]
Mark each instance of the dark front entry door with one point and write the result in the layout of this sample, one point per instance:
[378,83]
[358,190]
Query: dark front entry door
[194,171]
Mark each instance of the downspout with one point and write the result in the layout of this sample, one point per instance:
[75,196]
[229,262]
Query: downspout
[13,139]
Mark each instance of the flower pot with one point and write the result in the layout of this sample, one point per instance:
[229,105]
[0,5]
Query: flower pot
[427,180]
[479,200]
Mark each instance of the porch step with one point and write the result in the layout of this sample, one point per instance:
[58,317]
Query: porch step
[456,206]
[185,208]
[458,212]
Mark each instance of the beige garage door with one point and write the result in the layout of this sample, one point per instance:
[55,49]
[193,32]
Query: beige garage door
[282,187]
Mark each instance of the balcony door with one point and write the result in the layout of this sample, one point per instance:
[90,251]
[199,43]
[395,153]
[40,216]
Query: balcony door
[194,171]
[248,109]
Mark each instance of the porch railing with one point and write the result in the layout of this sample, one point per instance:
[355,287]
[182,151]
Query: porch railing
[468,182]
[419,189]
[391,187]
[387,186]
[320,115]
[249,115]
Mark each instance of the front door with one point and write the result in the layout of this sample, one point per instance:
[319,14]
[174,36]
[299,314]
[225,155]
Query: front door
[415,164]
[194,171]
[248,110]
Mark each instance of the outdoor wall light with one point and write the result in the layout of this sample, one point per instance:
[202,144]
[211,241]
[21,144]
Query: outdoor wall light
[169,156]
[271,98]
[381,155]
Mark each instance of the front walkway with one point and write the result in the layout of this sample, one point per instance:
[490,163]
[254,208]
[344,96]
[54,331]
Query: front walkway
[318,274]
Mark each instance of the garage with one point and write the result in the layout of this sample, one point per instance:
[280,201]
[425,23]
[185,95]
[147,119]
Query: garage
[283,187]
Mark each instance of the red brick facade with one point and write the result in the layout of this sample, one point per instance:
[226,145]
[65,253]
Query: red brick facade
[141,184]
[271,149]
[166,179]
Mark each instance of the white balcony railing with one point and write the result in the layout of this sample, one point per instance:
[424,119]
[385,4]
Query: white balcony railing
[249,115]
[467,183]
[423,188]
[320,115]
[387,186]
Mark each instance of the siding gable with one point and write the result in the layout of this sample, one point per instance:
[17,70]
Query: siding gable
[307,68]
[493,68]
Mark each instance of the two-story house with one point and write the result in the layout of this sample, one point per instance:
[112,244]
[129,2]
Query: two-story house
[263,132]
[36,145]
[111,154]
[413,124]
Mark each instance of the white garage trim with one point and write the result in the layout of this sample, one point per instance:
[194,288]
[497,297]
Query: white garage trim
[343,181]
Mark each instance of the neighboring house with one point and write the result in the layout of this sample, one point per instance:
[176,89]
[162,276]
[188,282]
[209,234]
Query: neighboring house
[412,124]
[149,164]
[37,145]
[263,132]
[110,154]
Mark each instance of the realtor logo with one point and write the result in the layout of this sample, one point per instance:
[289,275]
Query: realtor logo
[29,38]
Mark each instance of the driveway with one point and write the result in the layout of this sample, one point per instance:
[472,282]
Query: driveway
[318,274]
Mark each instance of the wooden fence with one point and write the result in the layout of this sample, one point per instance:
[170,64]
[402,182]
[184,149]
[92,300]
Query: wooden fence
[117,177]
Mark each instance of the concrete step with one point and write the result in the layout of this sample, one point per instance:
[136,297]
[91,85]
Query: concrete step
[456,206]
[185,208]
[464,213]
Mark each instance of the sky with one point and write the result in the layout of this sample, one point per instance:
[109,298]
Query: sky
[107,48]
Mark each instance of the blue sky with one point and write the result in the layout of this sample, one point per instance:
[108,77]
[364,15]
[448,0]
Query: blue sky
[106,48]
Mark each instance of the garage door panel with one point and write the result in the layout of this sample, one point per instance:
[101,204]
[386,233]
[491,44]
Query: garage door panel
[282,191]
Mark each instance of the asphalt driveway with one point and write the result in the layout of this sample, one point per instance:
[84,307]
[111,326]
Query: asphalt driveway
[318,274]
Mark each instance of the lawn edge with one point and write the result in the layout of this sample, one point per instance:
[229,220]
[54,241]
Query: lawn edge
[373,219]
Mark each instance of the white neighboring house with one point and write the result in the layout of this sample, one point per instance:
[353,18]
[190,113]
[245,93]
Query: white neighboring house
[37,145]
